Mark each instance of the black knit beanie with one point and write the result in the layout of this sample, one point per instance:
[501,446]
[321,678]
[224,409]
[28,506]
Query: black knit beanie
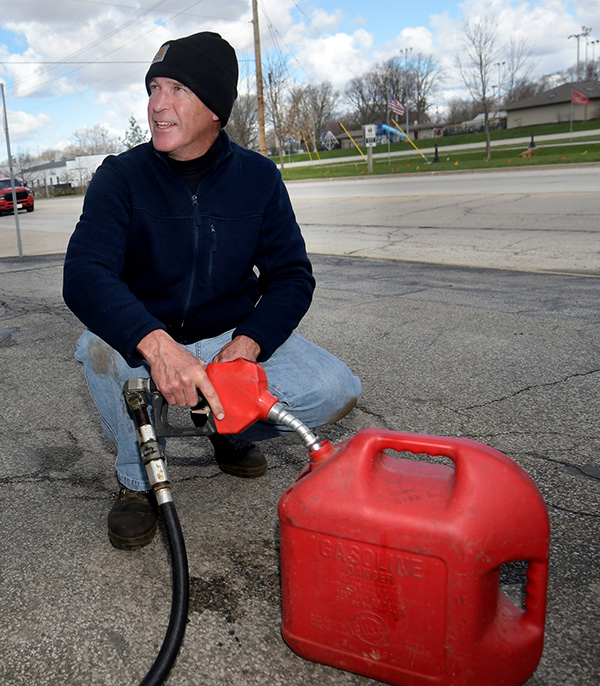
[206,64]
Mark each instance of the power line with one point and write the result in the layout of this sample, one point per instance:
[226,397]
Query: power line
[111,33]
[273,30]
[135,7]
[322,35]
[57,100]
[93,44]
[79,62]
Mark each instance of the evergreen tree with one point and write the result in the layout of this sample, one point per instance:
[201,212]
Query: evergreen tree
[134,135]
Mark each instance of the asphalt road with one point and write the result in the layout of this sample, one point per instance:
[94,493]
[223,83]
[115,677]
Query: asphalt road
[534,220]
[507,357]
[542,219]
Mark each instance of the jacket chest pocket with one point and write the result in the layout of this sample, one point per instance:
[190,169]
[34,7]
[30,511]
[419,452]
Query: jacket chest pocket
[212,249]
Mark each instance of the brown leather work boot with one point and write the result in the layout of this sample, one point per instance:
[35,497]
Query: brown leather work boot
[132,519]
[245,460]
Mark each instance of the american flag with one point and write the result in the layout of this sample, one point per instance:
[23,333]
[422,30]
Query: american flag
[396,106]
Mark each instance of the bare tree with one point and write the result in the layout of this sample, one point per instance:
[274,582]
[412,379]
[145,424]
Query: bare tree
[370,93]
[394,80]
[242,126]
[425,80]
[364,94]
[49,155]
[459,110]
[312,107]
[413,81]
[93,141]
[276,103]
[518,71]
[23,163]
[476,69]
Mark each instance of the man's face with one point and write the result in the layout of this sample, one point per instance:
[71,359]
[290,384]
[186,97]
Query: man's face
[180,123]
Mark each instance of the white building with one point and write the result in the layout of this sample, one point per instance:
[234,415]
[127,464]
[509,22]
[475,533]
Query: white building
[73,173]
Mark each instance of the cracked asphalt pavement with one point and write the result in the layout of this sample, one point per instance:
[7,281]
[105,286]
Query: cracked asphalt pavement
[505,357]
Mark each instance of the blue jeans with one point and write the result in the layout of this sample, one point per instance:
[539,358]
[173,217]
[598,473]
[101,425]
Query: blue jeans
[314,386]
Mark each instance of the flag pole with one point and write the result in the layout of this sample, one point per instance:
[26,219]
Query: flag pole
[571,118]
[388,132]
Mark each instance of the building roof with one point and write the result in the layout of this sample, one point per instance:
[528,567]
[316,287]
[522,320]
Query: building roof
[560,94]
[480,118]
[47,165]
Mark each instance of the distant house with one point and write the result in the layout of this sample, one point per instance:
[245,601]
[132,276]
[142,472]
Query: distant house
[73,173]
[556,106]
[46,175]
[496,120]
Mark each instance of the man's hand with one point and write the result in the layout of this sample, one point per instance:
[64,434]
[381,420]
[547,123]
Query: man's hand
[177,373]
[241,347]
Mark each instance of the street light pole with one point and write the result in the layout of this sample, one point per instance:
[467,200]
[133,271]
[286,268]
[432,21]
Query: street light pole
[593,44]
[499,65]
[12,175]
[585,31]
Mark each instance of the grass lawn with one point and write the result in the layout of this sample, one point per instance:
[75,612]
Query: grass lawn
[585,149]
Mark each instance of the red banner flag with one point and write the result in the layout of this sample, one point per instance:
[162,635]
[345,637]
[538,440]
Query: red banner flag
[580,98]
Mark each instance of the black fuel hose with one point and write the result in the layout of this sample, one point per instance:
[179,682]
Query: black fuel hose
[179,604]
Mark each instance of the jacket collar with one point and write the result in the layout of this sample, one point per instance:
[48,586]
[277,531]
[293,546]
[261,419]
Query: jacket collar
[226,152]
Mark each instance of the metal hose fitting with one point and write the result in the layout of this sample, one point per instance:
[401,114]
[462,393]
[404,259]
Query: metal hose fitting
[151,451]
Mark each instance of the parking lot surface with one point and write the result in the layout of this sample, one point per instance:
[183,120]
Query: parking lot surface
[507,357]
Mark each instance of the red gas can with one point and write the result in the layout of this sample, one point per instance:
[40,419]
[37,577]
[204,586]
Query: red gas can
[390,567]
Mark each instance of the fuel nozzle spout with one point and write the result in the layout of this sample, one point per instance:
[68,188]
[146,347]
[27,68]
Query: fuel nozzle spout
[279,415]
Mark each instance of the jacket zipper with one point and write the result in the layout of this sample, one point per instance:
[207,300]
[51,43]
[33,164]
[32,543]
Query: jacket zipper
[196,245]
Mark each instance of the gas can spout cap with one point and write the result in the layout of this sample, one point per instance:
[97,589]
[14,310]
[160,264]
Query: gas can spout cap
[320,451]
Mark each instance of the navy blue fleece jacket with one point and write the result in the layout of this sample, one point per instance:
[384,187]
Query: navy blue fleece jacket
[148,254]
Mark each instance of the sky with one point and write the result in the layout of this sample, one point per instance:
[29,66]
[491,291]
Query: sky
[70,64]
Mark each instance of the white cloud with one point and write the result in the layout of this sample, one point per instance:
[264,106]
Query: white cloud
[337,58]
[117,109]
[325,21]
[21,125]
[417,39]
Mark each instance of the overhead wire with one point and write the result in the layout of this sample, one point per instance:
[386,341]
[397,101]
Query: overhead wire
[322,35]
[93,44]
[274,33]
[106,54]
[276,37]
[134,7]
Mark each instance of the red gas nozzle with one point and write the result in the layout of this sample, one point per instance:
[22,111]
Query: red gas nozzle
[243,391]
[242,388]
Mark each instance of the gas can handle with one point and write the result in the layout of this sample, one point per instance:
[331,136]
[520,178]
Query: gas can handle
[459,450]
[536,591]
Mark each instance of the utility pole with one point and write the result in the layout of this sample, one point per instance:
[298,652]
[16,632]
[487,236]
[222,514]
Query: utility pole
[260,97]
[12,175]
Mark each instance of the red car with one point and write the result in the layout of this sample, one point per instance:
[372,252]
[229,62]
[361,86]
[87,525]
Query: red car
[24,196]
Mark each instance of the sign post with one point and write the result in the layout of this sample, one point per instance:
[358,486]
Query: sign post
[370,138]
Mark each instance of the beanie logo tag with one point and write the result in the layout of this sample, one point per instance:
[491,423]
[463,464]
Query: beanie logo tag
[161,54]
